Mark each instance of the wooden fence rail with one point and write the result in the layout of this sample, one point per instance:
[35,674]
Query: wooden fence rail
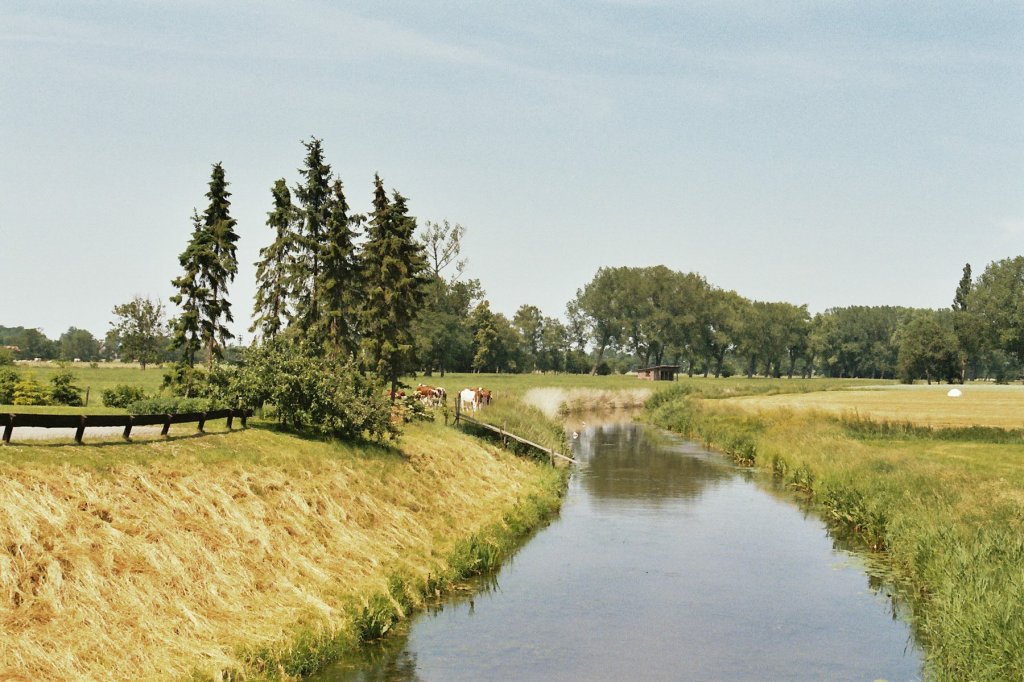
[506,435]
[79,422]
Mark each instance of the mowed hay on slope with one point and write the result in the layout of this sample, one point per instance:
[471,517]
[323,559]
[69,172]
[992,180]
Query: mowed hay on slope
[214,546]
[980,405]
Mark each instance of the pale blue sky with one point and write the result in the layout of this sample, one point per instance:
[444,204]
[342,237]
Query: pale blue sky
[823,153]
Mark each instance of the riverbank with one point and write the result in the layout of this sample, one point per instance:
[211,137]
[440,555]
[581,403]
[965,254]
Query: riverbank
[945,505]
[247,554]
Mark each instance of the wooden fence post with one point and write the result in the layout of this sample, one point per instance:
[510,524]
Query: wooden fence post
[127,435]
[80,431]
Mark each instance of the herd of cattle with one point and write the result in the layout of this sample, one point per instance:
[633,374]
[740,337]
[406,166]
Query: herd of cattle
[469,398]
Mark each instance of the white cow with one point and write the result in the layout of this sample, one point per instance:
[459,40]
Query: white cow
[469,399]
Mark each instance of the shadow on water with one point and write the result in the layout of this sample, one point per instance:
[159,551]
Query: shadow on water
[667,562]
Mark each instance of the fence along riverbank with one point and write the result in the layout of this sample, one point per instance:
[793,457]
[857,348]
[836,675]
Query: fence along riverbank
[508,435]
[80,422]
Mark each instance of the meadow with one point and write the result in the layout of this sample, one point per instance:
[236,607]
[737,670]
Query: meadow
[934,485]
[88,377]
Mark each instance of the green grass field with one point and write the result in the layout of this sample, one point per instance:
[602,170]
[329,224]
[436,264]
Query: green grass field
[945,504]
[95,379]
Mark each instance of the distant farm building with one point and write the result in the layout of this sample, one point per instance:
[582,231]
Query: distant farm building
[658,373]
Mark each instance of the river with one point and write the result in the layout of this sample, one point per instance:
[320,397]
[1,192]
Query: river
[666,563]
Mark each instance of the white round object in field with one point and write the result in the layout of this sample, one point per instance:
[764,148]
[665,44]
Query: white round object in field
[954,393]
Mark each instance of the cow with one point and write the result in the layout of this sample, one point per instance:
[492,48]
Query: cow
[469,399]
[433,395]
[485,395]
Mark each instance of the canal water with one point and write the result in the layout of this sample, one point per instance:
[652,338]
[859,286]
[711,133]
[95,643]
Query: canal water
[666,563]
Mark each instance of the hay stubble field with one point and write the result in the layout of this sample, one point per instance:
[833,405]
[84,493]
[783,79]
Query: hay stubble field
[1000,406]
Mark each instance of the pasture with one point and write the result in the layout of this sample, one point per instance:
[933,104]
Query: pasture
[519,384]
[95,379]
[980,404]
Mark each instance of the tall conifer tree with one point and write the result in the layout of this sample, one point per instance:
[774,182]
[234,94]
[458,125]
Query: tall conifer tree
[314,208]
[394,267]
[275,269]
[210,264]
[224,267]
[338,289]
[192,295]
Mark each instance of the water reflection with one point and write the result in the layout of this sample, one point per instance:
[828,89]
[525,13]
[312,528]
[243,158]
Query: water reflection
[667,563]
[628,462]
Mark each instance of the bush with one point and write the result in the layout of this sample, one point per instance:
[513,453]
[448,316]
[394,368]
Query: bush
[6,356]
[122,395]
[28,391]
[197,382]
[174,405]
[181,379]
[8,378]
[313,392]
[63,390]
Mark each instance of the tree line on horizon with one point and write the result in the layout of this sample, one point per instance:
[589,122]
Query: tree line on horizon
[368,291]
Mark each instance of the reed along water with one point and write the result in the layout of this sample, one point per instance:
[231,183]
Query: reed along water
[666,563]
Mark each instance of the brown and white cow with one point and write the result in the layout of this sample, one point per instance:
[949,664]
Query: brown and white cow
[434,395]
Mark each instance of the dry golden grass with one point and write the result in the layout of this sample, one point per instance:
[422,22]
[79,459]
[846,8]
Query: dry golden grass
[980,405]
[157,560]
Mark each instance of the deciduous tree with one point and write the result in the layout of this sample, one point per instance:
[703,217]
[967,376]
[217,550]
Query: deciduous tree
[140,328]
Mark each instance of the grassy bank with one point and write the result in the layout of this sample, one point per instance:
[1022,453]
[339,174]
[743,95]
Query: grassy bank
[250,554]
[945,505]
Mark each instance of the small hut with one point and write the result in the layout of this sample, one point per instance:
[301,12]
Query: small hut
[658,373]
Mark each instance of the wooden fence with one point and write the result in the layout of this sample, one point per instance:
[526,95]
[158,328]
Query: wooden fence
[507,435]
[79,422]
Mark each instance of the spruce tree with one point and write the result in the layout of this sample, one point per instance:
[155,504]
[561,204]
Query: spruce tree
[338,288]
[314,208]
[209,264]
[192,296]
[221,228]
[275,269]
[395,280]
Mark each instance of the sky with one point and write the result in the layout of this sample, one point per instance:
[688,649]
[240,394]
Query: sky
[821,153]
